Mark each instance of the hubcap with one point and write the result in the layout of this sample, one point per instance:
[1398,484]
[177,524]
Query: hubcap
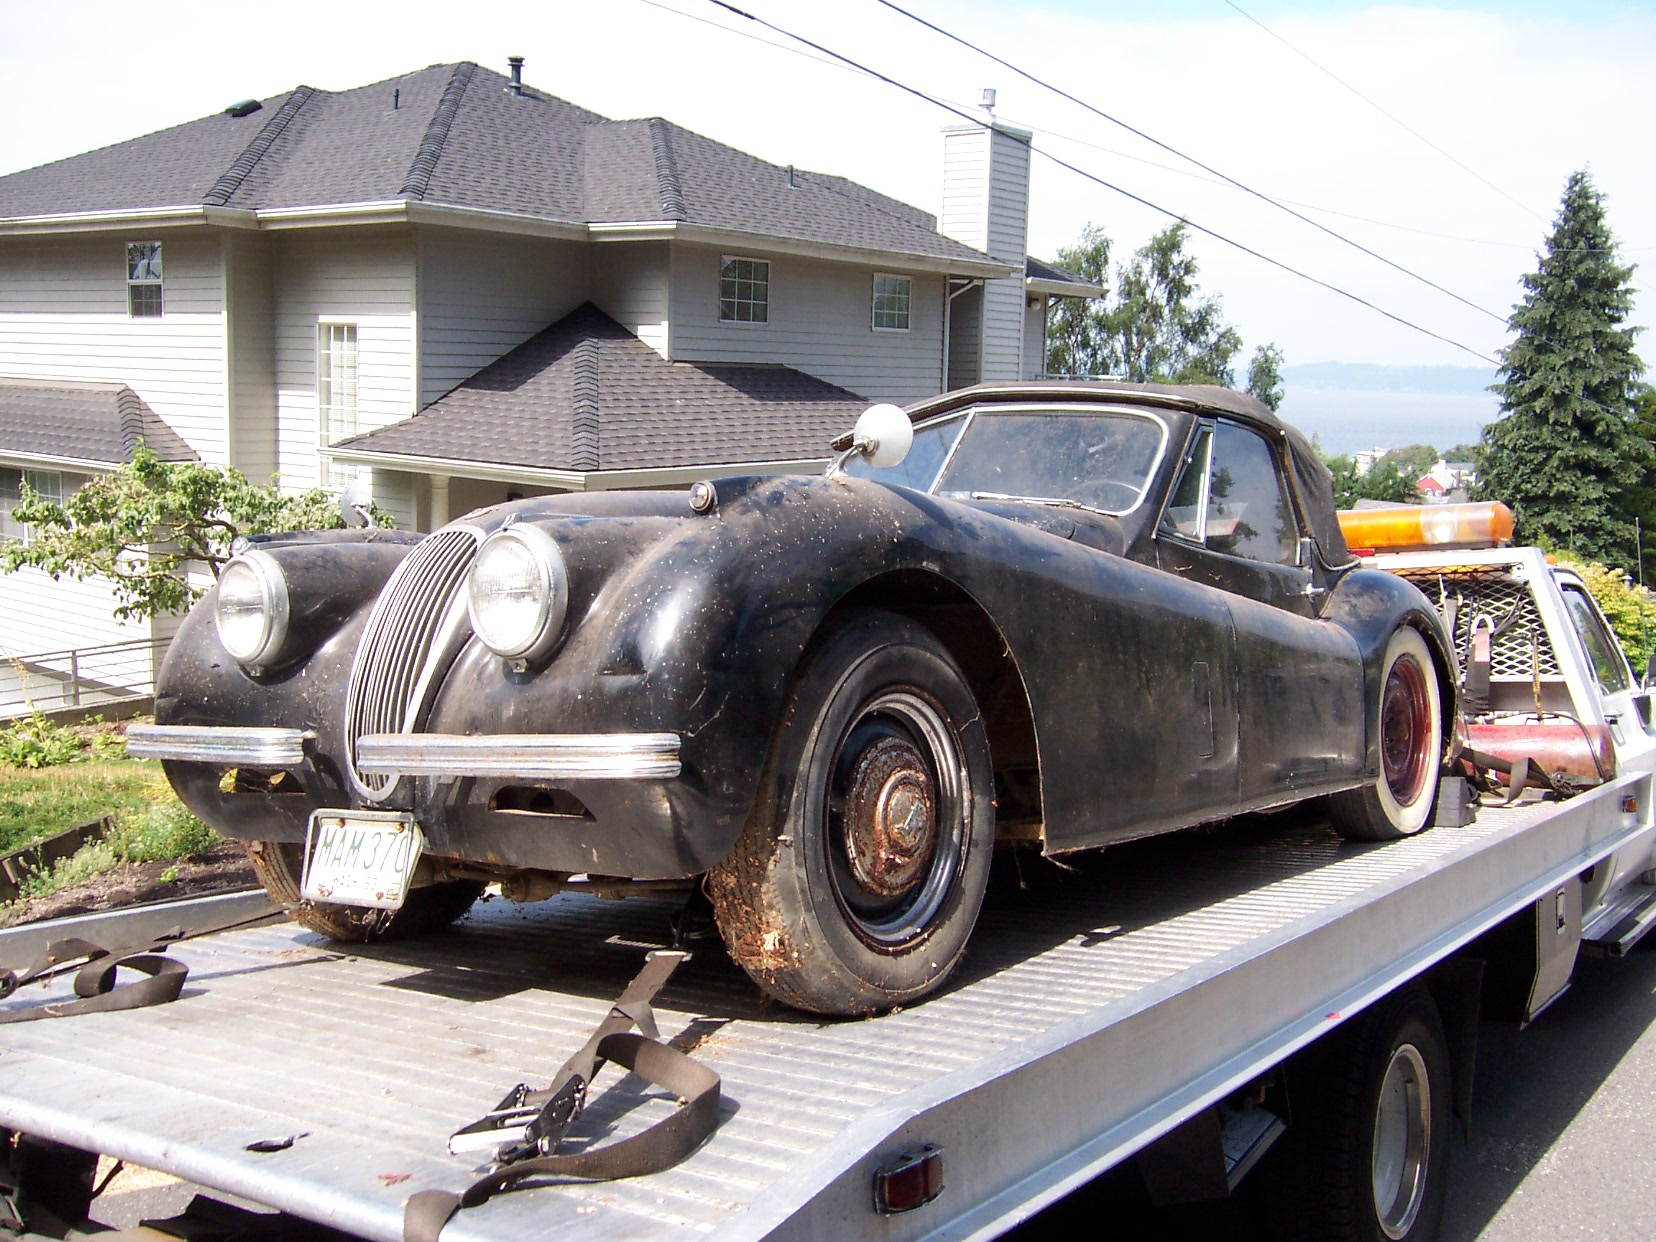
[1405,728]
[1402,1141]
[897,818]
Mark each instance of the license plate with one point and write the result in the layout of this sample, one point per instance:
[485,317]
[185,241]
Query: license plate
[361,858]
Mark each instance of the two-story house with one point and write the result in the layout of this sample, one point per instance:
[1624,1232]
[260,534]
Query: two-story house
[464,289]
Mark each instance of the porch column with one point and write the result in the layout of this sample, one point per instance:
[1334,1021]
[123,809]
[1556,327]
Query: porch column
[439,500]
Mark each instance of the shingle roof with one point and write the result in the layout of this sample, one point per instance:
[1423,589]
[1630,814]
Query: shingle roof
[458,137]
[97,423]
[1036,269]
[585,394]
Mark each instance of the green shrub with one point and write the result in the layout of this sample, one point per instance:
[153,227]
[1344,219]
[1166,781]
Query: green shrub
[1628,609]
[157,833]
[35,742]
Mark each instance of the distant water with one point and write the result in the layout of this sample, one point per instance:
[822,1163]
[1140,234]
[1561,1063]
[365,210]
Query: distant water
[1345,419]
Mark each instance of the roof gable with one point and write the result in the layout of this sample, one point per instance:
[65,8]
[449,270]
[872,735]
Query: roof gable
[94,424]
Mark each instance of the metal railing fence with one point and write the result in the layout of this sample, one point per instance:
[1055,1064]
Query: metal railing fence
[79,676]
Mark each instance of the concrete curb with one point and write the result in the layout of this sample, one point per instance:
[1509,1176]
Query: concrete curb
[20,945]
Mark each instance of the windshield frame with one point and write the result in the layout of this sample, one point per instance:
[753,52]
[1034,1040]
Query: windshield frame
[1065,409]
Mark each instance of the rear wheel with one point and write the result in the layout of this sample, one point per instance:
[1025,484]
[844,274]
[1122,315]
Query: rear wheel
[279,866]
[1409,725]
[1365,1160]
[859,875]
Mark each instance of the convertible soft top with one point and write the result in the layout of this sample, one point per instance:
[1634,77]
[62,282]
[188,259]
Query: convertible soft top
[1311,477]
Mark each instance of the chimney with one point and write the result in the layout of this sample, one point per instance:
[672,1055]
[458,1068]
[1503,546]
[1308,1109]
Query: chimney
[986,206]
[516,84]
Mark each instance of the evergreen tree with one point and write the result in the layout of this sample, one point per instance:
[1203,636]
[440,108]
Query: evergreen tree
[1564,453]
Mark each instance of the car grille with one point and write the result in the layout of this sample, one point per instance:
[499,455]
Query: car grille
[1520,654]
[395,670]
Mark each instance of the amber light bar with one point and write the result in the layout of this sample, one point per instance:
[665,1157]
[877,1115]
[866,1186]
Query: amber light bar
[1416,527]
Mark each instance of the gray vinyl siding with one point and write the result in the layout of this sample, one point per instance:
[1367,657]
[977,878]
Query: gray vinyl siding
[63,315]
[986,206]
[1034,349]
[38,614]
[363,277]
[631,284]
[250,299]
[483,294]
[820,322]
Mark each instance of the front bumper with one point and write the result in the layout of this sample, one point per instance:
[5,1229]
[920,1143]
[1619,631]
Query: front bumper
[524,756]
[224,745]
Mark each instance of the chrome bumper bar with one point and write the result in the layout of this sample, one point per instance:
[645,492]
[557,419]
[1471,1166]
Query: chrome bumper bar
[227,745]
[530,756]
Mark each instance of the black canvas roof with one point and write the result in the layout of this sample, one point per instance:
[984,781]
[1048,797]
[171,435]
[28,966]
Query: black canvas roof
[456,136]
[99,424]
[587,395]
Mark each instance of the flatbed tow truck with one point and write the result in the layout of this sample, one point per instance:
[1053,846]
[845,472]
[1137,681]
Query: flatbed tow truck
[1157,1005]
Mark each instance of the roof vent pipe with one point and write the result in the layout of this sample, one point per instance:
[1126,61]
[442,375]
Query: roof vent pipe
[516,84]
[986,100]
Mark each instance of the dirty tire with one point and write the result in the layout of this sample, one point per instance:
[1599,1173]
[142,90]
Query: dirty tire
[1409,721]
[1340,1173]
[279,866]
[858,877]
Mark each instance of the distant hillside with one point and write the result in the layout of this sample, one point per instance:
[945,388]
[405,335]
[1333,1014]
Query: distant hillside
[1373,377]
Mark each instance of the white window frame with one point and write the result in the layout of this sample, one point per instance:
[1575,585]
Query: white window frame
[47,484]
[874,303]
[744,258]
[336,422]
[146,281]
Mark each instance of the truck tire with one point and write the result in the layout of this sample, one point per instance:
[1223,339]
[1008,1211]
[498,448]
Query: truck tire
[857,879]
[1365,1157]
[279,866]
[1409,724]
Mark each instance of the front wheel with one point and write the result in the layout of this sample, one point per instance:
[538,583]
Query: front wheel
[859,874]
[1409,724]
[1366,1157]
[430,908]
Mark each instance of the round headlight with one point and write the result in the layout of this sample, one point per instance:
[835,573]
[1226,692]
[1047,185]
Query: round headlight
[519,593]
[251,611]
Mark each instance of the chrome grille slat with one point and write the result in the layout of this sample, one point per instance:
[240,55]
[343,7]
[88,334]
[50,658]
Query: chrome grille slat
[399,642]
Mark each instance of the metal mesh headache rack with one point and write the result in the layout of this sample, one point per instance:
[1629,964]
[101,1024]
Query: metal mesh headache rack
[1522,650]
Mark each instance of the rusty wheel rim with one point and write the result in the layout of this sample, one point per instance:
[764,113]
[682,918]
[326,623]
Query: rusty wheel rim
[896,818]
[1405,730]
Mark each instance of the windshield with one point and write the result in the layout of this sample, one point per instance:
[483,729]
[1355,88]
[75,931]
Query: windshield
[931,446]
[1101,459]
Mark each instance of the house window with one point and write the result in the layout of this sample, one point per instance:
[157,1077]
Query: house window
[744,290]
[46,484]
[891,303]
[144,280]
[336,392]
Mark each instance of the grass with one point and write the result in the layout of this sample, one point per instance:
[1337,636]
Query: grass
[54,777]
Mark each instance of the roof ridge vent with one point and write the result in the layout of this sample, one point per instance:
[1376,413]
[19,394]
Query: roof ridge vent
[436,135]
[667,178]
[231,179]
[584,440]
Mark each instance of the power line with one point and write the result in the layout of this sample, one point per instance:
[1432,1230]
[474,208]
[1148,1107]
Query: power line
[1471,172]
[950,108]
[1207,168]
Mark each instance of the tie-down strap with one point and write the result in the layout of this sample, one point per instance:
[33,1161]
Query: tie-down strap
[531,1150]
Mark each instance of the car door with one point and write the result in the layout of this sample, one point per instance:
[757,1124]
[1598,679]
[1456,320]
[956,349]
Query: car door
[1299,680]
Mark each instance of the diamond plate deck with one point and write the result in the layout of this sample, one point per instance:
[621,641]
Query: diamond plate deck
[371,1056]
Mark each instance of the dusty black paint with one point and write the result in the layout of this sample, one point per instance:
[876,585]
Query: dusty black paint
[1167,686]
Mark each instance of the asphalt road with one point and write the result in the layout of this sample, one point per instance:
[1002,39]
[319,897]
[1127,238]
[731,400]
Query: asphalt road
[1563,1124]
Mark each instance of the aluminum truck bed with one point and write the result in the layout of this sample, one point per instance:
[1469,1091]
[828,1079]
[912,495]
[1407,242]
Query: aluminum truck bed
[1093,1013]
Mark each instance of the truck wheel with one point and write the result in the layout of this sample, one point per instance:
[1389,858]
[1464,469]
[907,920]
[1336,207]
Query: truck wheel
[1365,1157]
[1409,723]
[859,874]
[279,866]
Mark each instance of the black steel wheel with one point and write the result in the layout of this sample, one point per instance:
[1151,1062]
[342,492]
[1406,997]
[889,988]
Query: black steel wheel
[857,879]
[279,866]
[1365,1159]
[1408,725]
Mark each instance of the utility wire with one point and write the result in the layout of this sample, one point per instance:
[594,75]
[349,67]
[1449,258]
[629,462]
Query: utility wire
[975,120]
[1207,168]
[1471,172]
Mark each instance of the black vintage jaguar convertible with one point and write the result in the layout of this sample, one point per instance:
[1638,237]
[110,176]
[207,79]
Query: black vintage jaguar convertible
[1061,614]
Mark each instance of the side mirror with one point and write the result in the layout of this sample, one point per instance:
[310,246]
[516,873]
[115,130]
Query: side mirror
[355,502]
[883,436]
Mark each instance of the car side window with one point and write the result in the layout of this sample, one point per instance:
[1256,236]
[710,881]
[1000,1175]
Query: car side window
[1248,511]
[1183,516]
[1601,647]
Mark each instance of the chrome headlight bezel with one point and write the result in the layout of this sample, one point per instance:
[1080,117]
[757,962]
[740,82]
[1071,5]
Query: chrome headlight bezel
[544,555]
[273,608]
